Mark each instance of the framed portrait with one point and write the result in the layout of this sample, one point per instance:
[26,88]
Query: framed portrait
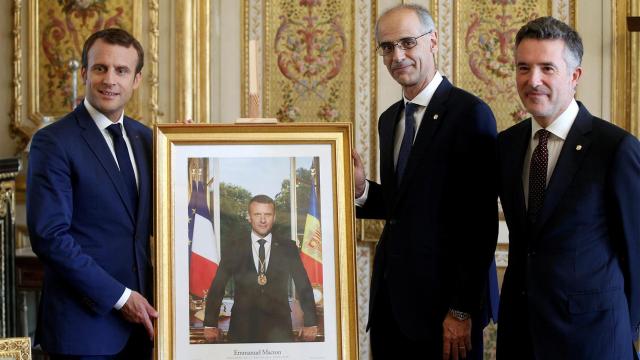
[15,349]
[255,242]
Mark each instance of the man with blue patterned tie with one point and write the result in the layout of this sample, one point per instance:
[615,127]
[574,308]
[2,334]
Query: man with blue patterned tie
[438,197]
[89,213]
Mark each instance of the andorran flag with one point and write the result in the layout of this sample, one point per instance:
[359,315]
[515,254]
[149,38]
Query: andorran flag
[311,252]
[204,256]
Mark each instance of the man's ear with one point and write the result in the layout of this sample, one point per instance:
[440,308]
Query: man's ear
[433,42]
[137,79]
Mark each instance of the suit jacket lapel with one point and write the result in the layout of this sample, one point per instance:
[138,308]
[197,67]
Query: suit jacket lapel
[433,117]
[573,151]
[387,136]
[142,165]
[520,144]
[95,141]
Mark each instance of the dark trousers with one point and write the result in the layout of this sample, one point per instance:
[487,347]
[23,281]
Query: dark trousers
[388,341]
[137,347]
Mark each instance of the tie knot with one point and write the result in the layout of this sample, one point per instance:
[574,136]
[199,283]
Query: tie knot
[261,242]
[543,135]
[410,108]
[115,130]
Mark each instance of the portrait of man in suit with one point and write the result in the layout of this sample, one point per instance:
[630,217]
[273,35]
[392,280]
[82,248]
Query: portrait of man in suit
[89,213]
[261,266]
[570,189]
[438,197]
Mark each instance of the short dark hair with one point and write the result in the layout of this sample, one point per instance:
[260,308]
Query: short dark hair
[550,28]
[262,199]
[113,36]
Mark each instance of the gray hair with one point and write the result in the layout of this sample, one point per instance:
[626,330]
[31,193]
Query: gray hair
[550,28]
[423,14]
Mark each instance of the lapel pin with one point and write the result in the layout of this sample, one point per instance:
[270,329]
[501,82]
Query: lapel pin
[435,117]
[579,147]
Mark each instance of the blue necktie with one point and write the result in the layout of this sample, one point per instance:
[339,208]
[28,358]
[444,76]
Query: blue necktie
[124,162]
[407,140]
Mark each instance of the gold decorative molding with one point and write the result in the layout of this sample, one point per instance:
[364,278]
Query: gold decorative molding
[154,36]
[7,199]
[193,89]
[369,230]
[15,348]
[17,129]
[184,60]
[625,90]
[201,71]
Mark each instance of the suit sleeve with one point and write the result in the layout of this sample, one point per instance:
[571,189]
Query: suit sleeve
[216,293]
[303,287]
[473,208]
[625,181]
[49,216]
[374,207]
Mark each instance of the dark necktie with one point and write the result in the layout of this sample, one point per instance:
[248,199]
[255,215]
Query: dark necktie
[261,266]
[538,174]
[124,162]
[407,140]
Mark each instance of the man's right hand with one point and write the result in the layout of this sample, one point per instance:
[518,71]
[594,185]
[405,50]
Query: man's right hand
[138,310]
[359,177]
[212,334]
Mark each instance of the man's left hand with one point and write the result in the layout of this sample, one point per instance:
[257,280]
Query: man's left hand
[456,338]
[308,333]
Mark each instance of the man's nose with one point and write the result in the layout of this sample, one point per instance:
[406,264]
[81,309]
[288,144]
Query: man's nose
[109,77]
[398,53]
[535,78]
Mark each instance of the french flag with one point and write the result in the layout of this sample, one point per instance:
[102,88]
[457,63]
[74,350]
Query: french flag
[205,257]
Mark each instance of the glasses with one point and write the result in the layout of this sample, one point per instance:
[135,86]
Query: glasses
[407,43]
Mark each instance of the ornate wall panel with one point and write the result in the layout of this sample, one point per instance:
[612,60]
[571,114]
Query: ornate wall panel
[56,31]
[625,92]
[308,60]
[476,46]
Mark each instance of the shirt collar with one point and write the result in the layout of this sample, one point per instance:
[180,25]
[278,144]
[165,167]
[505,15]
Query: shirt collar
[102,121]
[255,237]
[424,97]
[562,124]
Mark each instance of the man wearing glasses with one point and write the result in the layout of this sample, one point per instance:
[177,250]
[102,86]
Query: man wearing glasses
[438,197]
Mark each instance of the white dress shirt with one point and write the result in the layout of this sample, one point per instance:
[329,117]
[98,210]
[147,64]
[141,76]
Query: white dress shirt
[559,130]
[255,245]
[103,122]
[422,100]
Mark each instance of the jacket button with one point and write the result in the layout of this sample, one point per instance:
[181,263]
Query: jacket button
[392,222]
[135,269]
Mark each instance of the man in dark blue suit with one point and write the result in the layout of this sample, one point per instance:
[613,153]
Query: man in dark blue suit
[438,196]
[570,189]
[261,266]
[89,214]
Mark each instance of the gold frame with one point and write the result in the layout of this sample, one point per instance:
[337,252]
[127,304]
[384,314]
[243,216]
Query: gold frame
[193,77]
[22,125]
[337,135]
[16,348]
